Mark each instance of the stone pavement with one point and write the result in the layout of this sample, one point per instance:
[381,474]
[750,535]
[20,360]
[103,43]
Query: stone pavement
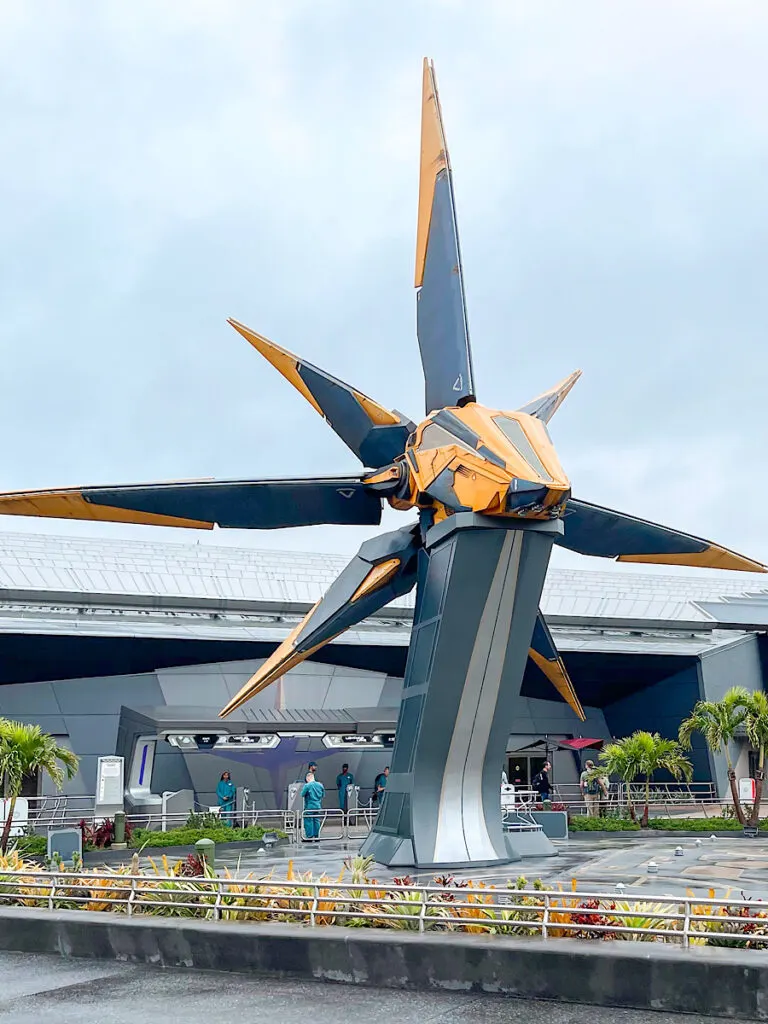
[40,989]
[598,864]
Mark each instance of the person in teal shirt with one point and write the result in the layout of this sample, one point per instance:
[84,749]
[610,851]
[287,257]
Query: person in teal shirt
[226,791]
[379,786]
[343,779]
[312,793]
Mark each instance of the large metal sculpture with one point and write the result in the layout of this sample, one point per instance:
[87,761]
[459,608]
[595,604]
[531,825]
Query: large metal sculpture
[491,499]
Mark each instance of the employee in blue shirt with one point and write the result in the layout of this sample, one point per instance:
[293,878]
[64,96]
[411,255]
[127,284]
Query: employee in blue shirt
[226,791]
[379,786]
[312,794]
[343,779]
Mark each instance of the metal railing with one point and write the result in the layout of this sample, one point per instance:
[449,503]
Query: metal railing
[457,907]
[63,810]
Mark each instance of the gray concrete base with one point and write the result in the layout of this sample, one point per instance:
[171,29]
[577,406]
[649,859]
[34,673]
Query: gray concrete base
[529,844]
[709,982]
[554,823]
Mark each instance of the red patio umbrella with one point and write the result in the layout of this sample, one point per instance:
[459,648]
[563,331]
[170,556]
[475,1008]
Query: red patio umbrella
[582,743]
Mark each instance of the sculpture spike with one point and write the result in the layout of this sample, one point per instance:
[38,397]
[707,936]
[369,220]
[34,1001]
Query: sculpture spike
[544,406]
[375,434]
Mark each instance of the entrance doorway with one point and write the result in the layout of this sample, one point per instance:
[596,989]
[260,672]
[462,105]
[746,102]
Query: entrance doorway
[523,768]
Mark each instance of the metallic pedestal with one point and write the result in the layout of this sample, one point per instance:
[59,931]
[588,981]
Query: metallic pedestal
[480,584]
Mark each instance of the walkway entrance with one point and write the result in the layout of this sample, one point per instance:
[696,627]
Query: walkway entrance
[523,768]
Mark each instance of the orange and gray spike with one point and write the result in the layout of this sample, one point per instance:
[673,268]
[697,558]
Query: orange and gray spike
[385,568]
[375,434]
[605,533]
[203,504]
[441,315]
[545,406]
[545,655]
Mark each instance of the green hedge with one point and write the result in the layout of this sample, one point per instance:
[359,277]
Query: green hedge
[708,825]
[582,823]
[30,846]
[189,836]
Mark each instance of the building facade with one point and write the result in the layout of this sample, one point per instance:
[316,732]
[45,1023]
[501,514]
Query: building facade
[133,647]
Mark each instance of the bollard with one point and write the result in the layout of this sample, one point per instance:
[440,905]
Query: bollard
[206,851]
[119,842]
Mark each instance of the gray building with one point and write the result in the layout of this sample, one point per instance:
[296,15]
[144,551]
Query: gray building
[129,647]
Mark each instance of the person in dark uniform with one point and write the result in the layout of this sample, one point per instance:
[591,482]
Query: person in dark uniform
[541,782]
[343,779]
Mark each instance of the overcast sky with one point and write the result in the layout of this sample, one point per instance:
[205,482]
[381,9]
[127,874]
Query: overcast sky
[169,164]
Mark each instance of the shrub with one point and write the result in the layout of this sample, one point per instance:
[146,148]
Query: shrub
[30,846]
[189,836]
[203,820]
[700,824]
[581,823]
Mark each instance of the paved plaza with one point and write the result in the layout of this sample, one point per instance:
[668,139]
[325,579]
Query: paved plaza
[38,989]
[598,864]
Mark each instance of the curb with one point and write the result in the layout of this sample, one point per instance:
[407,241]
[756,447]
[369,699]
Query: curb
[647,976]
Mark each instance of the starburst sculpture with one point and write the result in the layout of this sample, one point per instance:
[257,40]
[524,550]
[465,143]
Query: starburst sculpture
[491,498]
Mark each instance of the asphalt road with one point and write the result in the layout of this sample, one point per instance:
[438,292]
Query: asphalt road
[37,989]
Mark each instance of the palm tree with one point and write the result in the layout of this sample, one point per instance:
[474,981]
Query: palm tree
[620,758]
[718,721]
[24,750]
[756,724]
[644,753]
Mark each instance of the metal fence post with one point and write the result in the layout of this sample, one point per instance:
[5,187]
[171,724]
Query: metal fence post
[545,918]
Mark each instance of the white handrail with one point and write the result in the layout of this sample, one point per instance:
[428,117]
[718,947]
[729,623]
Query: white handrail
[544,913]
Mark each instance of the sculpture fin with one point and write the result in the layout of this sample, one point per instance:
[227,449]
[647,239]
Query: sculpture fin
[441,316]
[594,530]
[545,655]
[546,405]
[375,434]
[383,569]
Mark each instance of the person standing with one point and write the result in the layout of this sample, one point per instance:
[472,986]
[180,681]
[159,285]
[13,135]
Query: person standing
[343,779]
[592,789]
[379,786]
[312,794]
[541,782]
[226,792]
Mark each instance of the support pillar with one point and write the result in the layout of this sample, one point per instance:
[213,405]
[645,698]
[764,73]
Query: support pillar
[480,582]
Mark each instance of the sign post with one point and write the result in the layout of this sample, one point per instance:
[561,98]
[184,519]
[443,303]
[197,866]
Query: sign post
[110,790]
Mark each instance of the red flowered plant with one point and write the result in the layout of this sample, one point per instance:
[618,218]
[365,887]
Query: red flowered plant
[101,836]
[192,866]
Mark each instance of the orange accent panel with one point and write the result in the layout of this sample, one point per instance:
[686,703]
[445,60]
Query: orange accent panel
[282,360]
[376,413]
[284,658]
[557,674]
[434,158]
[713,557]
[70,504]
[376,578]
[390,473]
[477,491]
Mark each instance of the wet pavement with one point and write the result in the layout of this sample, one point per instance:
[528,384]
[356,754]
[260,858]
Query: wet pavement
[38,989]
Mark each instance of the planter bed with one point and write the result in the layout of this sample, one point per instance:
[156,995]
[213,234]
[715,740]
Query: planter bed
[109,856]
